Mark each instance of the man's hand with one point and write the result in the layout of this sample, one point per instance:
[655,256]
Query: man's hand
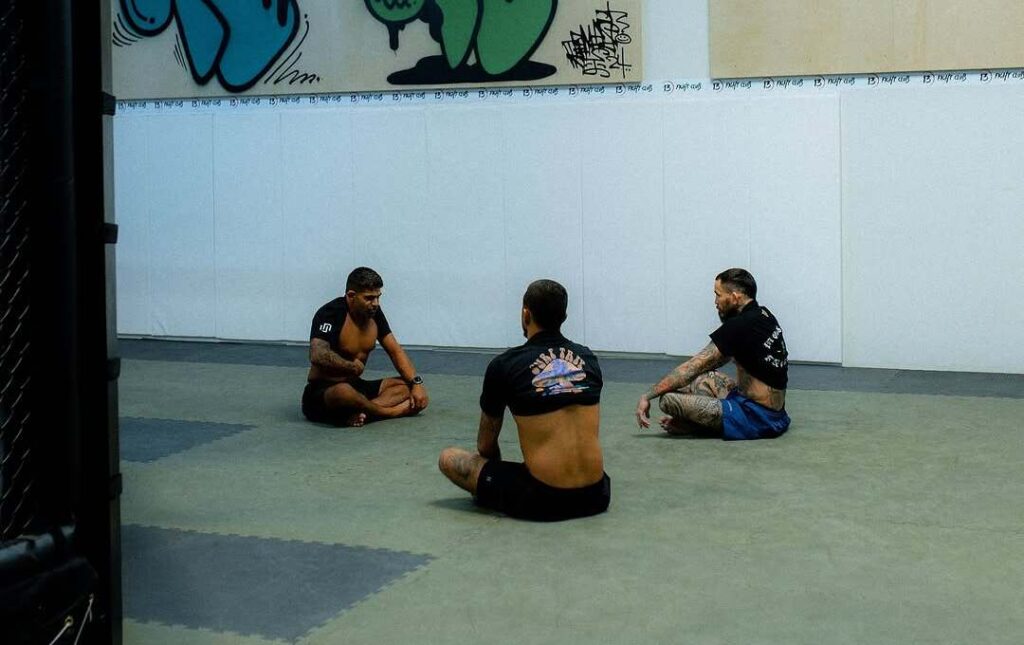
[419,397]
[358,367]
[643,409]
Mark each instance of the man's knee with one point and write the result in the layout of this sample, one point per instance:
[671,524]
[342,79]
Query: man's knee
[670,404]
[445,463]
[395,386]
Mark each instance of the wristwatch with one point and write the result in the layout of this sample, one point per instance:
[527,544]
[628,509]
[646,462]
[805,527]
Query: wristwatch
[416,380]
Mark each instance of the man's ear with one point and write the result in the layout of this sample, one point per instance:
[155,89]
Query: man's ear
[350,293]
[527,316]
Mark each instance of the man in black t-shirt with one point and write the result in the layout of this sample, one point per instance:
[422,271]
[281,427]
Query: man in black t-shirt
[701,400]
[343,333]
[552,387]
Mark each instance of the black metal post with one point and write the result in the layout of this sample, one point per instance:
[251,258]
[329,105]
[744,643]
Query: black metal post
[74,393]
[99,520]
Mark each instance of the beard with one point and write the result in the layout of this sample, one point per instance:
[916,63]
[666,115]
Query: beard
[727,314]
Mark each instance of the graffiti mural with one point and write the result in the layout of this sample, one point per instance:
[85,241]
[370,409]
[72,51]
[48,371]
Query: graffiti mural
[236,42]
[499,34]
[196,48]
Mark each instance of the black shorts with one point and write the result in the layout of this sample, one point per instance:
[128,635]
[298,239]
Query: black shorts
[315,408]
[510,488]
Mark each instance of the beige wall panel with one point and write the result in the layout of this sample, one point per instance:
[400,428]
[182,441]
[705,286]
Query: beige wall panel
[752,38]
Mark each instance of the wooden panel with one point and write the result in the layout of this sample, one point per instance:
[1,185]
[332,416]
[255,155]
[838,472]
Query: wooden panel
[751,38]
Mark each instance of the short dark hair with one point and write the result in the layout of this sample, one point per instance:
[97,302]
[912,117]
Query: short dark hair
[738,280]
[547,301]
[363,279]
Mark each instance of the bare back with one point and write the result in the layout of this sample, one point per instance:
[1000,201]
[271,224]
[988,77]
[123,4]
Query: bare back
[561,448]
[758,391]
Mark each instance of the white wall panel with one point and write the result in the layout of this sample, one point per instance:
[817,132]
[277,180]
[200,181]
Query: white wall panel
[239,224]
[467,242]
[249,226]
[181,222]
[392,221]
[543,210]
[933,229]
[795,246]
[623,262]
[754,183]
[318,244]
[132,173]
[708,204]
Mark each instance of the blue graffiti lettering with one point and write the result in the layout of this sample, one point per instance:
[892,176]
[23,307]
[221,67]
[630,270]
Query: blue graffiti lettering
[235,40]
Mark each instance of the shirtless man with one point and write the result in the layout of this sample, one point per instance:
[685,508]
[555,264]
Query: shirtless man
[343,334]
[552,386]
[700,400]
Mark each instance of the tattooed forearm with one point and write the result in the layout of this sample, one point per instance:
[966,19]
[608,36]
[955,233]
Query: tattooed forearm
[706,360]
[321,355]
[487,437]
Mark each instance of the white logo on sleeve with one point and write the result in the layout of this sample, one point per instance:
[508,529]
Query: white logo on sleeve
[326,327]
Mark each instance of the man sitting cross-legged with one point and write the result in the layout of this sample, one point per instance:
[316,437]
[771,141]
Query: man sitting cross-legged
[552,386]
[343,334]
[701,400]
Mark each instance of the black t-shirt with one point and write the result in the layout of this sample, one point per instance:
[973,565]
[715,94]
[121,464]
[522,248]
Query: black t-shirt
[328,320]
[754,338]
[543,375]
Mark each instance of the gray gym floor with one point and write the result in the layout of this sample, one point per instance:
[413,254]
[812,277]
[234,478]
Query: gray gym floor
[892,512]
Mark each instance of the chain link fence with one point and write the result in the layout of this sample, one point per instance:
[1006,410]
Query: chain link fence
[18,485]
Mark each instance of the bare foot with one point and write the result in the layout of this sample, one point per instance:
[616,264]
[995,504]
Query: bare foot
[357,420]
[681,427]
[671,426]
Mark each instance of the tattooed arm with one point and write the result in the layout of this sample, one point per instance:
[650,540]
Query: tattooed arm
[321,355]
[708,359]
[487,437]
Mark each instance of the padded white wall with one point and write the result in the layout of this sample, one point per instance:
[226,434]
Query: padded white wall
[252,220]
[933,229]
[755,183]
[164,201]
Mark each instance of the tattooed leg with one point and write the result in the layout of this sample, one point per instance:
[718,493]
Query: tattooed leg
[461,467]
[714,383]
[705,412]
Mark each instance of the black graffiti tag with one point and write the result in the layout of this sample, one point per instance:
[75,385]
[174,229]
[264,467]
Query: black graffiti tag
[598,49]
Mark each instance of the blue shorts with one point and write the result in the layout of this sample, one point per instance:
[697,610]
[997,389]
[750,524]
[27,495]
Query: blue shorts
[742,419]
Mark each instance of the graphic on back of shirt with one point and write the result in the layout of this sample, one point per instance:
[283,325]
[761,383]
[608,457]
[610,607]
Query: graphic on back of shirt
[558,373]
[777,355]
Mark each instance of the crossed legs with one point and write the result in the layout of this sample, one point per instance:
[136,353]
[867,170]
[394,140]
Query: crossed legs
[696,408]
[393,400]
[461,467]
